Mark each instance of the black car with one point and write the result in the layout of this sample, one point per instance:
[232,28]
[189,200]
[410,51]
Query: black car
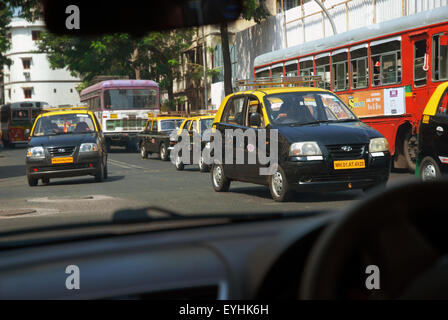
[322,145]
[66,144]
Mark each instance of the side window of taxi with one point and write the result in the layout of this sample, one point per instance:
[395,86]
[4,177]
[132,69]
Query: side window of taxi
[148,126]
[154,125]
[194,127]
[233,112]
[443,104]
[254,106]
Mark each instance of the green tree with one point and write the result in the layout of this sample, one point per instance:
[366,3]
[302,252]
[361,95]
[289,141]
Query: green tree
[252,9]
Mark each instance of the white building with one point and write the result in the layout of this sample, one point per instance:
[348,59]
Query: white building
[30,76]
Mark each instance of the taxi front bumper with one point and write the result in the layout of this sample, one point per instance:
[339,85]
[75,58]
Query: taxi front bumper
[321,175]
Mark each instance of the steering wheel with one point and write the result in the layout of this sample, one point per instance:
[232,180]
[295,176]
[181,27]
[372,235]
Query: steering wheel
[403,232]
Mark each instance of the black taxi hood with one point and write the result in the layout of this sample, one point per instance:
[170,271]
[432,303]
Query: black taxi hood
[63,140]
[329,133]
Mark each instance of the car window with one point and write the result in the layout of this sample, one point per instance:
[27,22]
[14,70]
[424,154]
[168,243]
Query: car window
[64,124]
[233,112]
[206,124]
[254,107]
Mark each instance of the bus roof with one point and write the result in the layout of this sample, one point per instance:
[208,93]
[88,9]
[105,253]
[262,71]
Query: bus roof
[363,34]
[119,83]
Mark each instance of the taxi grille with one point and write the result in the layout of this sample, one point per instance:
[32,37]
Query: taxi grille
[351,152]
[61,151]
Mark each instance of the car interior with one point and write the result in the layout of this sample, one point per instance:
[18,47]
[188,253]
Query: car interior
[313,255]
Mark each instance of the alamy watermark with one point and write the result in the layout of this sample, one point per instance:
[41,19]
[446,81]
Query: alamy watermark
[235,146]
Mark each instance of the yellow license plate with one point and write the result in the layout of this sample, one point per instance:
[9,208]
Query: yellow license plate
[349,164]
[62,160]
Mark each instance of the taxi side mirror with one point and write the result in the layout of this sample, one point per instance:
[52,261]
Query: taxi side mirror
[27,133]
[255,119]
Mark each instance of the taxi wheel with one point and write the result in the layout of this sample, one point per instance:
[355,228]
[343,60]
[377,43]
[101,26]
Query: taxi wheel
[99,176]
[32,182]
[143,152]
[106,172]
[279,187]
[179,164]
[45,180]
[219,180]
[202,166]
[429,169]
[163,152]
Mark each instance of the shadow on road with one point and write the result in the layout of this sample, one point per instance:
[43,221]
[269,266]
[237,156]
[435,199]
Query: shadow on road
[263,192]
[83,180]
[12,171]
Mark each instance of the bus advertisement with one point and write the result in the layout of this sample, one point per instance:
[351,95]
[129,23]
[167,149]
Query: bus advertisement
[385,73]
[122,108]
[16,118]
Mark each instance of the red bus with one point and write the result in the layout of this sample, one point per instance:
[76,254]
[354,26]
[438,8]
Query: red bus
[384,72]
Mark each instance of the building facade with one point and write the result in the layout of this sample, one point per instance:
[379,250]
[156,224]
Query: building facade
[30,77]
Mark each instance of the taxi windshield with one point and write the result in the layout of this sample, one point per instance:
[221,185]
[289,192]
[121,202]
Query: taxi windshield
[306,107]
[64,124]
[172,124]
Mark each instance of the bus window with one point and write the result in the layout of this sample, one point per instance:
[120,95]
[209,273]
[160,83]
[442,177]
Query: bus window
[419,62]
[359,68]
[340,71]
[386,62]
[291,69]
[262,73]
[277,70]
[323,70]
[440,57]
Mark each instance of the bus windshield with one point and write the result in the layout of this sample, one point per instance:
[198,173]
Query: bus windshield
[306,107]
[119,99]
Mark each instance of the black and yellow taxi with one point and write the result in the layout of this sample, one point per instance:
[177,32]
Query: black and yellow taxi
[66,143]
[155,138]
[194,125]
[322,146]
[432,159]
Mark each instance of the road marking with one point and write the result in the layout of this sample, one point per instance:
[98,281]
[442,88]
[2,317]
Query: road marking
[125,165]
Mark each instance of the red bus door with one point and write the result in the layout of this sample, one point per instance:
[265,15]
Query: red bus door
[421,57]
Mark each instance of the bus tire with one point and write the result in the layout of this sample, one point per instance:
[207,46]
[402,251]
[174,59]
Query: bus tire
[410,150]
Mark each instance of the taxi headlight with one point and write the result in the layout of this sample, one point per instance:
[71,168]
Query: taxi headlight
[88,147]
[302,149]
[378,145]
[35,152]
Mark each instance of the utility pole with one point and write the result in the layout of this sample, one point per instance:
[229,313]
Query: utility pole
[204,58]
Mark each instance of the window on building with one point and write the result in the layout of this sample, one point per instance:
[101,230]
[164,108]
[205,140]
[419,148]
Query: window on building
[323,70]
[35,34]
[359,67]
[71,90]
[27,92]
[9,93]
[419,63]
[386,62]
[440,57]
[26,62]
[340,70]
[218,63]
[9,36]
[289,4]
[54,90]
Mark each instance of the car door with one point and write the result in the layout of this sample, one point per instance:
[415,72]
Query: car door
[438,129]
[144,134]
[232,119]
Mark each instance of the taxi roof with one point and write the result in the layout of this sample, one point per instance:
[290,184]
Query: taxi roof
[165,118]
[273,90]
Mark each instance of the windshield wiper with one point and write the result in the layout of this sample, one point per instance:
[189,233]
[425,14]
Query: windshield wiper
[307,123]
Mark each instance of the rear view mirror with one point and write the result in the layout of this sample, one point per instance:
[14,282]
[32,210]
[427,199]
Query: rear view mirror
[27,133]
[255,120]
[86,17]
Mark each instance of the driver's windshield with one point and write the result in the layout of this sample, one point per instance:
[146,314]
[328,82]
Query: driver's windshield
[64,124]
[306,107]
[119,99]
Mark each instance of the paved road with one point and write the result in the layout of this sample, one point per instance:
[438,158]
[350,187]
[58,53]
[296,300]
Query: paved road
[135,183]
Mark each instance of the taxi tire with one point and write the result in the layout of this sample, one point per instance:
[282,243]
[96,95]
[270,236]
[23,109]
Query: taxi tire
[204,167]
[32,182]
[179,165]
[106,172]
[429,161]
[45,180]
[224,184]
[163,152]
[143,152]
[99,176]
[286,192]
